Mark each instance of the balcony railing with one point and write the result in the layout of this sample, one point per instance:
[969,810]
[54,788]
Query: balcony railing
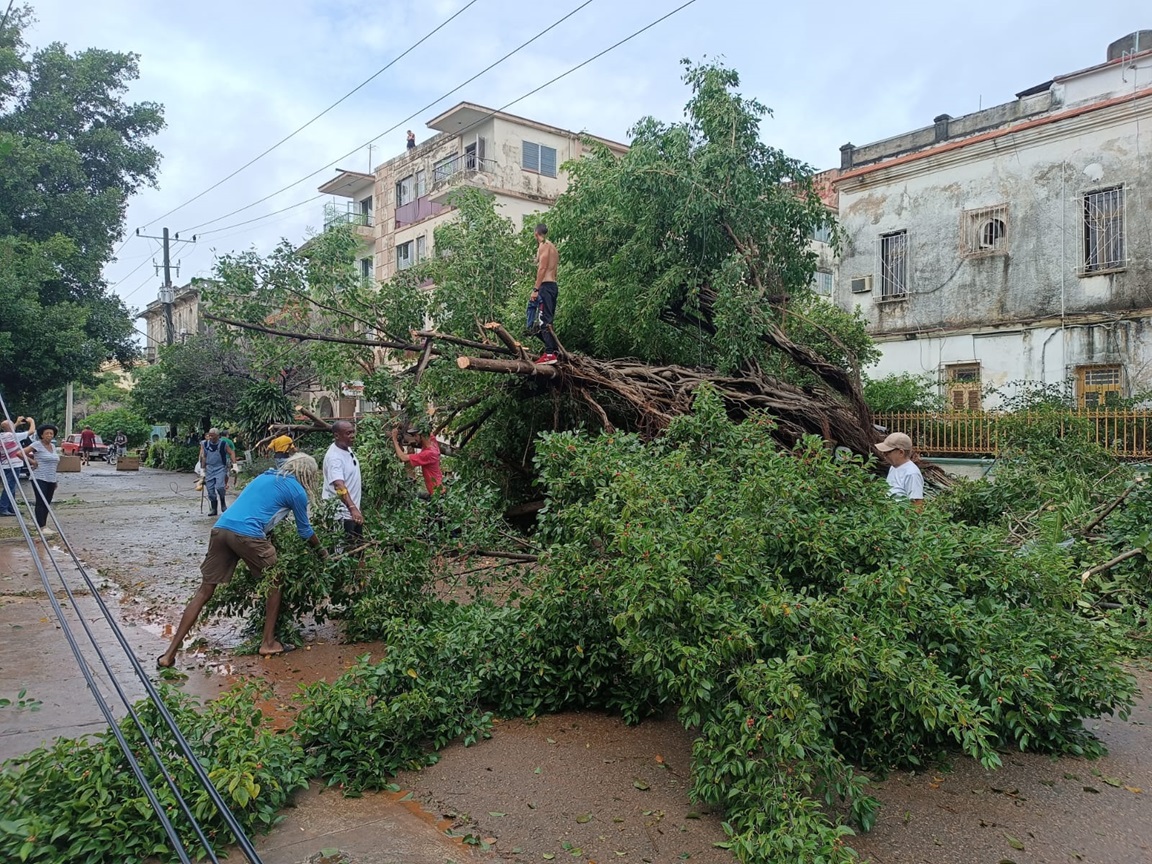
[416,211]
[458,168]
[1128,434]
[345,214]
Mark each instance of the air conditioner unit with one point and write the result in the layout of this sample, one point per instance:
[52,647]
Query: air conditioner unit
[862,285]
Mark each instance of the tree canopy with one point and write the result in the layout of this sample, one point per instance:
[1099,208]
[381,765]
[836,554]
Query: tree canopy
[73,152]
[689,254]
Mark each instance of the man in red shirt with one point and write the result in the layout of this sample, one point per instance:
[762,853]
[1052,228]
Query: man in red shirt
[87,444]
[427,457]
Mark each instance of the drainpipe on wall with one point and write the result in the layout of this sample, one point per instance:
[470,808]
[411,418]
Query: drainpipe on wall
[1063,265]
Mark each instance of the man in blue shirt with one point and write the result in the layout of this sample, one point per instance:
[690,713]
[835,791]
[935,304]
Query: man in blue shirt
[241,533]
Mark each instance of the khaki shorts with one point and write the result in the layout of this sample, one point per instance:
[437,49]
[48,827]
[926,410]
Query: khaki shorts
[226,548]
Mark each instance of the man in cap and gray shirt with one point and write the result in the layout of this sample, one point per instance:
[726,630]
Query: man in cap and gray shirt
[904,477]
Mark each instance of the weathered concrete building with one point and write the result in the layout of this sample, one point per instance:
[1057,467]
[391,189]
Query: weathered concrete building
[185,320]
[1014,243]
[397,207]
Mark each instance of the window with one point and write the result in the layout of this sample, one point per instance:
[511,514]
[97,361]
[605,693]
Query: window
[365,211]
[1104,230]
[404,258]
[404,190]
[421,248]
[538,158]
[421,184]
[984,231]
[822,233]
[444,169]
[962,385]
[894,266]
[1098,386]
[822,283]
[366,269]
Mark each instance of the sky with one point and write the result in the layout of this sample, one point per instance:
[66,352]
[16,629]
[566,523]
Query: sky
[236,77]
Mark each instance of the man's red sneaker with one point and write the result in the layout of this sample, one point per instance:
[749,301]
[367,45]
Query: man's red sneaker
[546,359]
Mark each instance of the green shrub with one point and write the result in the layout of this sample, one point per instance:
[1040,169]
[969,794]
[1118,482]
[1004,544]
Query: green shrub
[77,801]
[902,392]
[172,455]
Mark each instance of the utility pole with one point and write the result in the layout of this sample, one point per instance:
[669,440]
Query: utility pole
[167,290]
[166,293]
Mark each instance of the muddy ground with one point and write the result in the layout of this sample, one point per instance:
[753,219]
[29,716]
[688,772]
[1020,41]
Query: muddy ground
[570,787]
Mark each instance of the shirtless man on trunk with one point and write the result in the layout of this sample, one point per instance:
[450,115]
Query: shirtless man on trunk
[547,262]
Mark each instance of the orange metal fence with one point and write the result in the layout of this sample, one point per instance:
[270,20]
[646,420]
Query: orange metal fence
[1128,434]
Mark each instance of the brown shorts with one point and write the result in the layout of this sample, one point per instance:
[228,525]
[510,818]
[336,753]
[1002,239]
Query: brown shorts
[226,548]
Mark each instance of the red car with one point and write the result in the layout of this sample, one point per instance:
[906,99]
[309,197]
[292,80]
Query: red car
[71,447]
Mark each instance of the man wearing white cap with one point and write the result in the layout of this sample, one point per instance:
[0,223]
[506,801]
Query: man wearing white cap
[904,477]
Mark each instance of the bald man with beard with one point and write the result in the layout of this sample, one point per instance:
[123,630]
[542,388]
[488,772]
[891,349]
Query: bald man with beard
[342,478]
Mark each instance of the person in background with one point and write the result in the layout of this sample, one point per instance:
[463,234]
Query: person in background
[120,442]
[216,458]
[342,478]
[241,534]
[427,458]
[12,459]
[44,456]
[411,140]
[282,446]
[904,478]
[87,445]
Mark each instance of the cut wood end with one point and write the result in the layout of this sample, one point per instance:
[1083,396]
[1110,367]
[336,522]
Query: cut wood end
[463,362]
[299,408]
[493,325]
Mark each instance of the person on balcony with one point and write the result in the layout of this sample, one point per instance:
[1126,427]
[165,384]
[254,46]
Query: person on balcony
[411,140]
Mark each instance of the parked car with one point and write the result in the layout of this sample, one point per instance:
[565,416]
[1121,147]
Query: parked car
[71,447]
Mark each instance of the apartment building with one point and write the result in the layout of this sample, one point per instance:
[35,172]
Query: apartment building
[1013,243]
[397,207]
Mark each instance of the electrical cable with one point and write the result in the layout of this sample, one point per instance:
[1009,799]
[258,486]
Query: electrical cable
[393,128]
[300,129]
[154,696]
[578,66]
[265,216]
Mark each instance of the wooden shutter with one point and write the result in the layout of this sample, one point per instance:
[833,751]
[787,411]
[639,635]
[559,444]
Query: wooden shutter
[548,161]
[530,160]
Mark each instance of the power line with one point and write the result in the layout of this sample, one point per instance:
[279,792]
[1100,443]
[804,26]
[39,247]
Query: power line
[414,114]
[265,216]
[577,67]
[300,129]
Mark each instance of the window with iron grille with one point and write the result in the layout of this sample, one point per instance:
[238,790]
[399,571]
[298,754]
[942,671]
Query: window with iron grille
[962,385]
[894,265]
[984,231]
[366,269]
[538,158]
[1098,386]
[1104,230]
[444,168]
[822,283]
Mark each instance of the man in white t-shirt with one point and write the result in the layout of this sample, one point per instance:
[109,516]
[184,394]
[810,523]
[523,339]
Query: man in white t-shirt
[342,478]
[904,477]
